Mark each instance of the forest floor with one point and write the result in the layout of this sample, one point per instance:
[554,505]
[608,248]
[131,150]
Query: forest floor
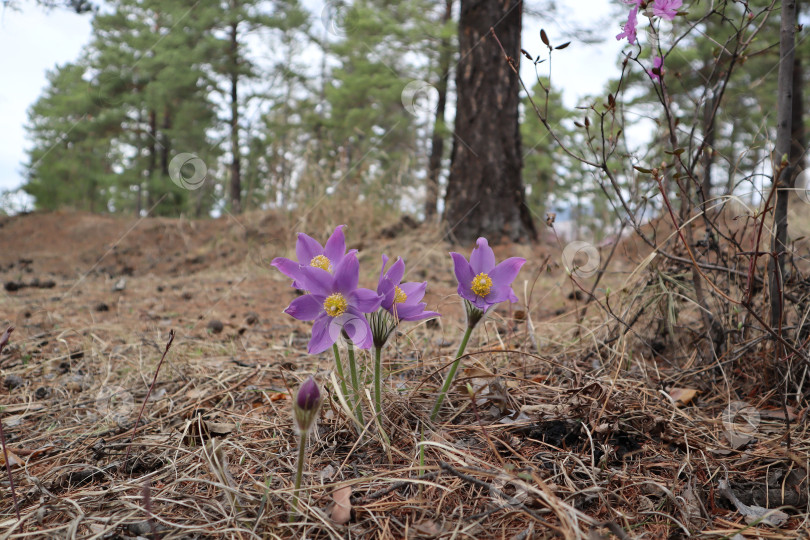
[568,435]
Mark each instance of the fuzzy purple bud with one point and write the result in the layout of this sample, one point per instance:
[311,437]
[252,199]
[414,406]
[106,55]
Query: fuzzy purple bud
[307,403]
[309,396]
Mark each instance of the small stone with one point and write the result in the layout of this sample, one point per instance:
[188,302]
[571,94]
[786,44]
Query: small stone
[215,326]
[101,306]
[13,381]
[12,286]
[120,285]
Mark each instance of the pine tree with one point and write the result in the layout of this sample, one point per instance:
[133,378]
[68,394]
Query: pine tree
[148,60]
[236,70]
[373,132]
[69,163]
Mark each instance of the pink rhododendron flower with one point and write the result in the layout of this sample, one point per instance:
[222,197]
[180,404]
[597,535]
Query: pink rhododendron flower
[658,64]
[666,9]
[629,29]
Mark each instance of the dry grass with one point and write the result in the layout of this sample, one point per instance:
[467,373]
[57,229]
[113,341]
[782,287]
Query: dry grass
[574,429]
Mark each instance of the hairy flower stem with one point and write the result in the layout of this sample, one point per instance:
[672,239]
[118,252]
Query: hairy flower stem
[358,396]
[451,374]
[148,393]
[377,381]
[299,473]
[339,367]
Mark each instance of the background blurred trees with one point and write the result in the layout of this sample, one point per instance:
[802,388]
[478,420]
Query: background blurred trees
[356,101]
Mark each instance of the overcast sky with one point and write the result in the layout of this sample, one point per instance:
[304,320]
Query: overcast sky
[33,41]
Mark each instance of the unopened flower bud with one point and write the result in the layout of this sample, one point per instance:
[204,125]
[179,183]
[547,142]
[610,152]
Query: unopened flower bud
[306,405]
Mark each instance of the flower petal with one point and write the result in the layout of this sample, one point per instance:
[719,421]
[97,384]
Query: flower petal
[396,271]
[414,290]
[306,248]
[388,297]
[305,308]
[380,283]
[347,274]
[335,247]
[315,280]
[414,313]
[321,337]
[288,267]
[506,272]
[465,292]
[365,300]
[501,294]
[463,270]
[482,258]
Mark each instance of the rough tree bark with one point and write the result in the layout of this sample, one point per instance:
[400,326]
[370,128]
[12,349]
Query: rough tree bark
[236,173]
[437,144]
[798,144]
[784,180]
[485,193]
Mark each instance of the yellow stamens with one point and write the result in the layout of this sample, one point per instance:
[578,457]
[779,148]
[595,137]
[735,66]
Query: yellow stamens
[335,305]
[481,284]
[320,261]
[399,296]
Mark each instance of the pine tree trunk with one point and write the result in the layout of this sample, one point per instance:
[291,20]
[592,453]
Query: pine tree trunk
[708,154]
[798,144]
[784,115]
[485,193]
[165,144]
[236,180]
[437,144]
[152,163]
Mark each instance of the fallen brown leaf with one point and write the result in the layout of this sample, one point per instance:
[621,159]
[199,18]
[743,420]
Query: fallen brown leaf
[13,459]
[683,396]
[342,509]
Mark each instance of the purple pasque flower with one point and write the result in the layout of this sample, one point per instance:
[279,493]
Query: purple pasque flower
[335,304]
[629,28]
[310,253]
[481,281]
[666,9]
[402,300]
[656,72]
